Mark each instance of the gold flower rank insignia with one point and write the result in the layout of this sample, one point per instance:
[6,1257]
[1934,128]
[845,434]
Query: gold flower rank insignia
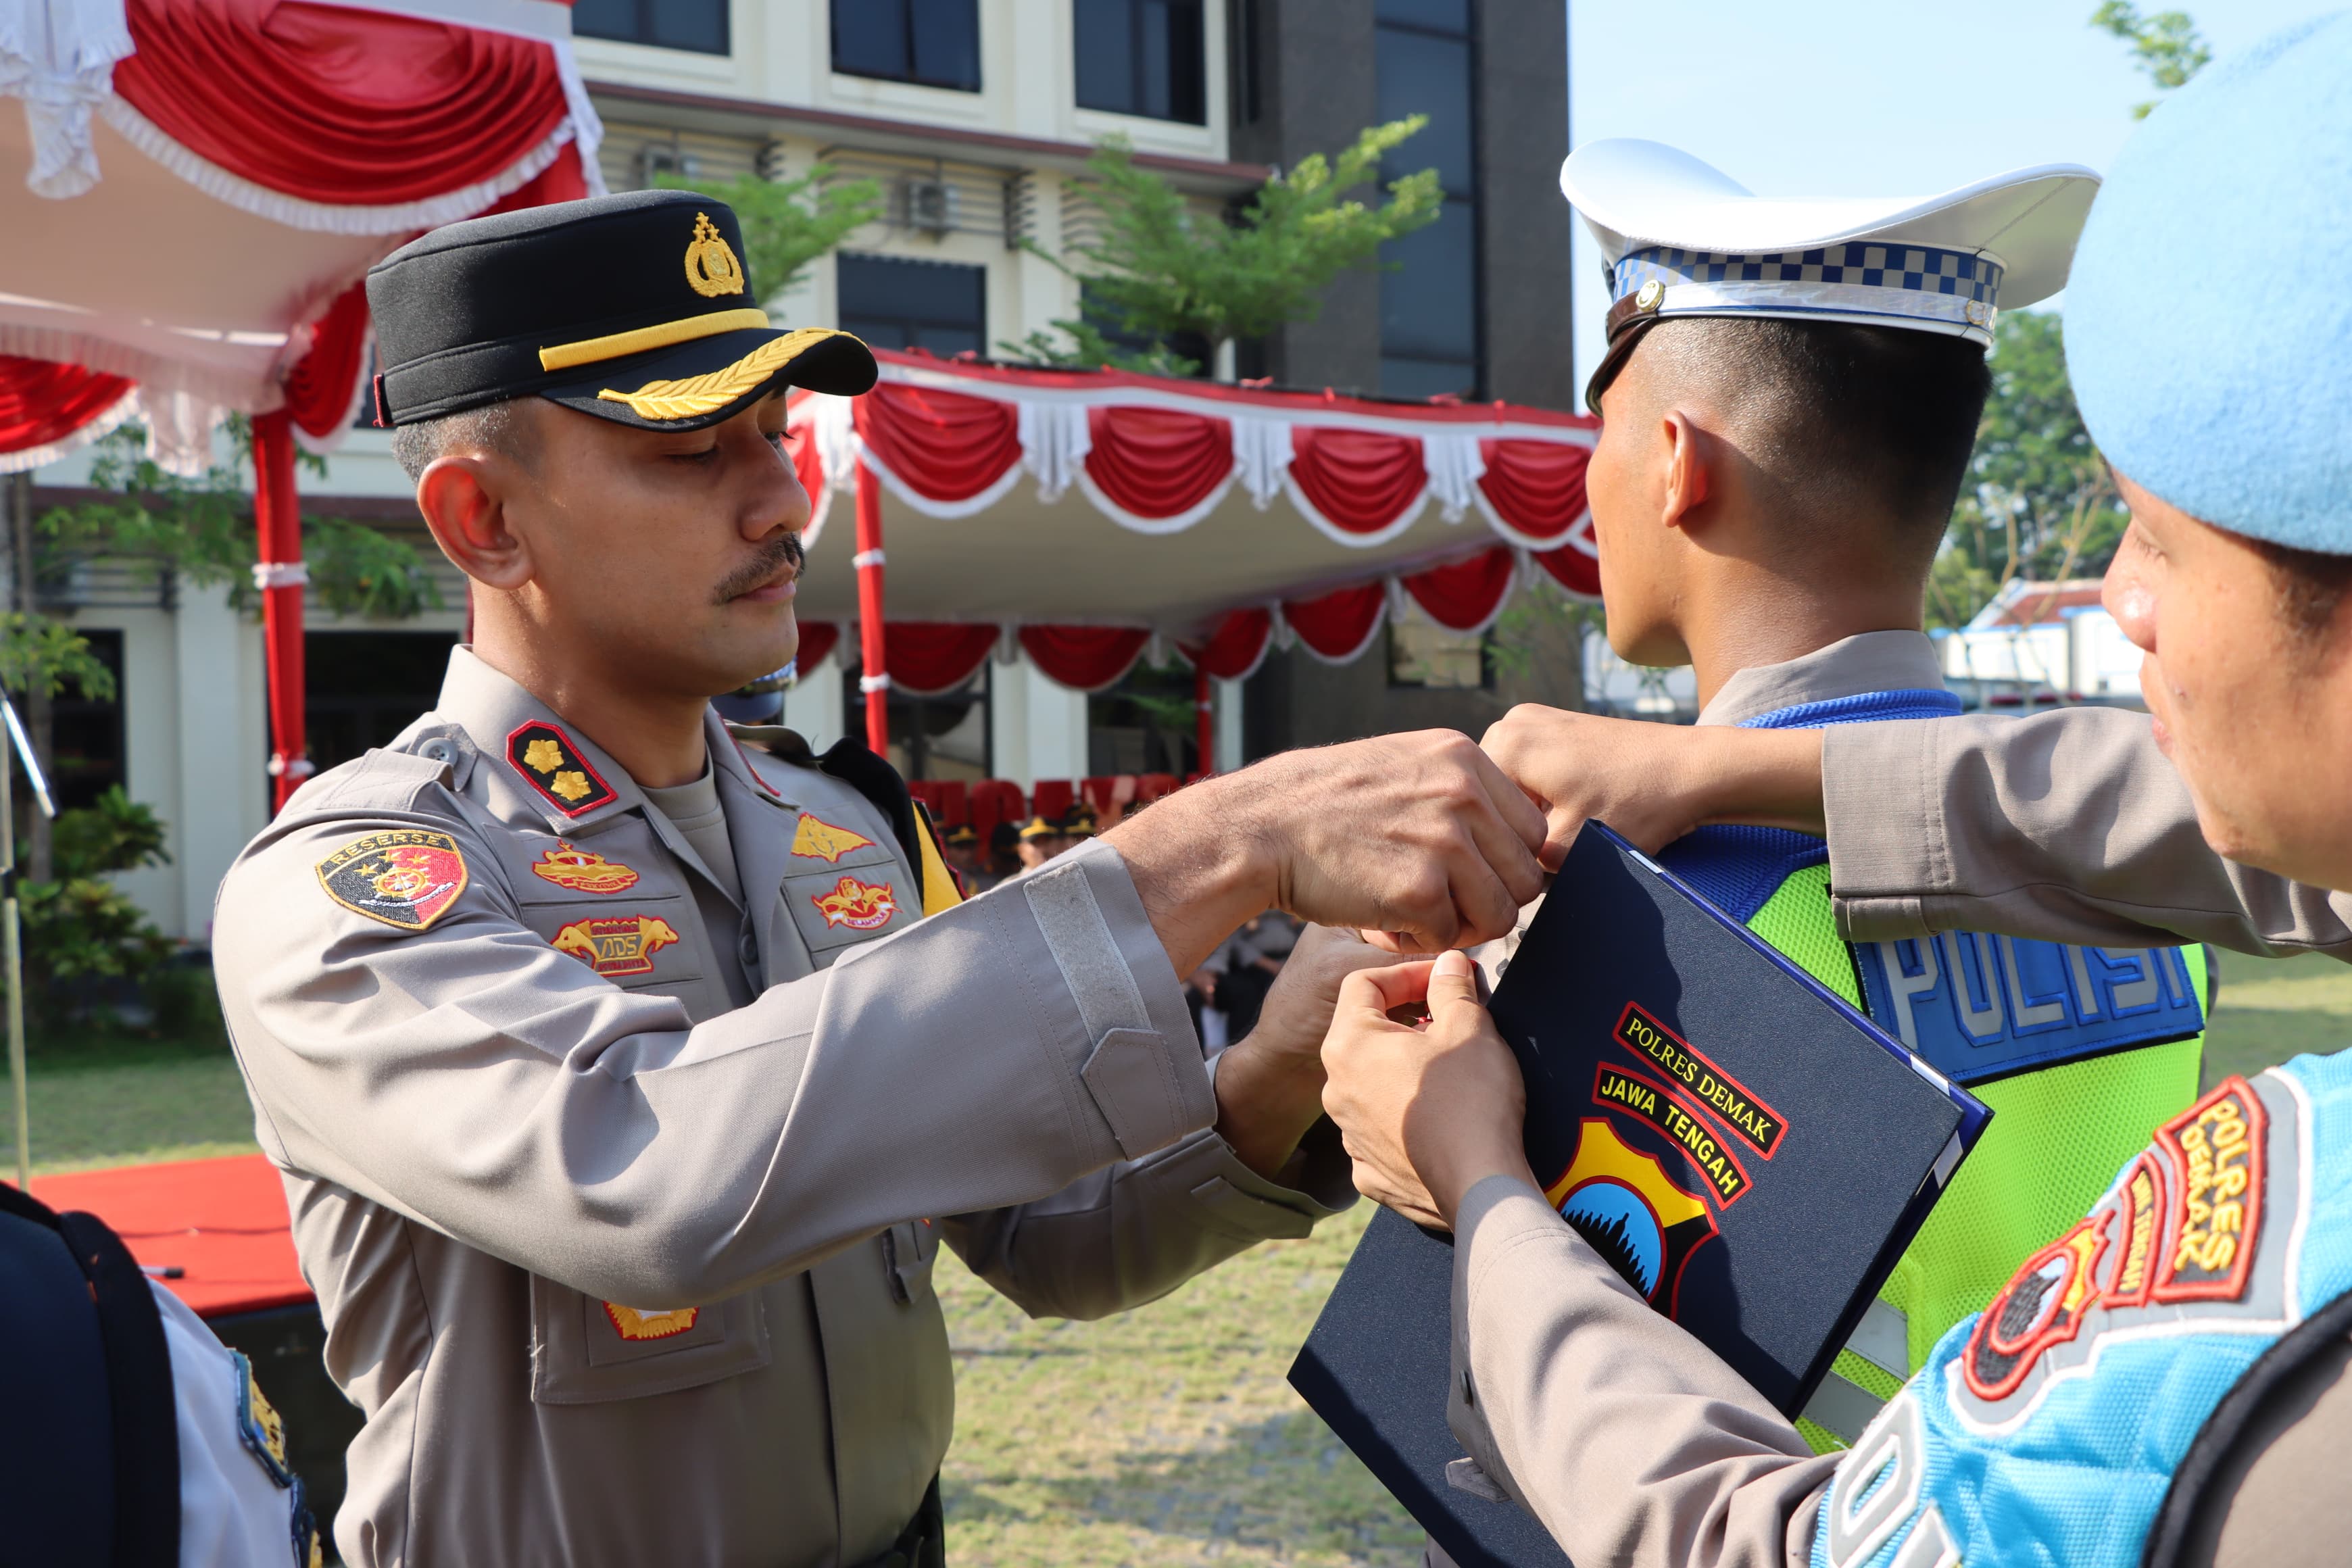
[556,768]
[405,876]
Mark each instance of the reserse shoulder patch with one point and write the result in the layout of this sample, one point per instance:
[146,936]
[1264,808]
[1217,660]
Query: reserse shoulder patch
[405,876]
[550,764]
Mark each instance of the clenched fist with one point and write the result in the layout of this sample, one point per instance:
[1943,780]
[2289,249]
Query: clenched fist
[1419,836]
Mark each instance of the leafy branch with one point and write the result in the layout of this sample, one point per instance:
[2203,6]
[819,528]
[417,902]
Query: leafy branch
[1157,272]
[787,224]
[2165,44]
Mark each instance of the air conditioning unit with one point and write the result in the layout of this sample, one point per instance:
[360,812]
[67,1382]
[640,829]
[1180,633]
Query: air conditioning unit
[930,206]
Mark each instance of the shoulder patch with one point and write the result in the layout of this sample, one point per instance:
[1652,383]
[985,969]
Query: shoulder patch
[553,764]
[820,840]
[405,876]
[259,1425]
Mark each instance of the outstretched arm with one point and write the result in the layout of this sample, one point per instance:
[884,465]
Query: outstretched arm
[2069,827]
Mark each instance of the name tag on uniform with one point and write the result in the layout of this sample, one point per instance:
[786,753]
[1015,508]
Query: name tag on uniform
[1979,1007]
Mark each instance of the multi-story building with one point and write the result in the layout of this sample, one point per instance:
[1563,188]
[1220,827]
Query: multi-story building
[976,118]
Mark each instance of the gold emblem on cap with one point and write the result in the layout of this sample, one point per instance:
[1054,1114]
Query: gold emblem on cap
[710,263]
[1649,296]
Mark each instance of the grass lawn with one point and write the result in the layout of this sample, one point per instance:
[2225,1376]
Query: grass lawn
[1164,1437]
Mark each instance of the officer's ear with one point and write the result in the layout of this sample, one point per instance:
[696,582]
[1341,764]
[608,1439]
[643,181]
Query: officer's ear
[460,494]
[1691,453]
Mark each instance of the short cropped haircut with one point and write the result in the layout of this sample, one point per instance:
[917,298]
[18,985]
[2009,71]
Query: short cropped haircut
[1844,420]
[495,426]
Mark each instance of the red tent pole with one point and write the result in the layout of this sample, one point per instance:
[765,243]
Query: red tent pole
[1204,715]
[876,682]
[280,573]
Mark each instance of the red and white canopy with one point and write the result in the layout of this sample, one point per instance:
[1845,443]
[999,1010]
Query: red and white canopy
[1221,517]
[206,181]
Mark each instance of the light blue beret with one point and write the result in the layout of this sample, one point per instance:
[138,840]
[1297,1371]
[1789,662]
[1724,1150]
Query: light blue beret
[2208,317]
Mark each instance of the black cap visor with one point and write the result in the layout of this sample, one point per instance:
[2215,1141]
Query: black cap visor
[694,385]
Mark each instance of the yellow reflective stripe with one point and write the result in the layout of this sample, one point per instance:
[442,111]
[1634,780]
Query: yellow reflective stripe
[938,883]
[637,340]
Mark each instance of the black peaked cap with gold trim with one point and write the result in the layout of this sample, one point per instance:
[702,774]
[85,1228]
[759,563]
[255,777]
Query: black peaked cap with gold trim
[633,307]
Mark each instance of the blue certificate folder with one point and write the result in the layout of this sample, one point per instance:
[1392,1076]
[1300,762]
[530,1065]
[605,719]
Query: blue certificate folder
[1749,1152]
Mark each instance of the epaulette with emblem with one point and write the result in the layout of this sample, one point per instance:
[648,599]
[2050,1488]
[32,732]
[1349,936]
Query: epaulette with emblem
[552,764]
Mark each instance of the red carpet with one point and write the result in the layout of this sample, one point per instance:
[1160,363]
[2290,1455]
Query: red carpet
[221,1221]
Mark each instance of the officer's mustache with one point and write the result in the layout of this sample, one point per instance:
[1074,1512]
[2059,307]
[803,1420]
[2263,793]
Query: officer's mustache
[785,550]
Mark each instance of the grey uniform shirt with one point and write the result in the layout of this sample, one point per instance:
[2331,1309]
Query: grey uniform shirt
[1626,1436]
[619,1273]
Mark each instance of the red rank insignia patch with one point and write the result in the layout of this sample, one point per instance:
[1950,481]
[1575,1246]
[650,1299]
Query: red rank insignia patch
[550,764]
[405,876]
[860,906]
[616,945]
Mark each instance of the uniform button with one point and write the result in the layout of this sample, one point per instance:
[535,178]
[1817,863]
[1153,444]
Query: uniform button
[746,950]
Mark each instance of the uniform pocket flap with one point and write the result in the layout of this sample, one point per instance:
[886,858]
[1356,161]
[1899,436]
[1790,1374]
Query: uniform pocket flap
[587,1352]
[1134,1086]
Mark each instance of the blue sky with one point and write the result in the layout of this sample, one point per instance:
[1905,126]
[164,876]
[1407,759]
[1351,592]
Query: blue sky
[1841,98]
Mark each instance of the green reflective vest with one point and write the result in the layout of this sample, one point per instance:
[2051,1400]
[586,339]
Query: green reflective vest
[2058,1136]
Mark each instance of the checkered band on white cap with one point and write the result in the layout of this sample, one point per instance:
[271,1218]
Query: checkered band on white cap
[1954,290]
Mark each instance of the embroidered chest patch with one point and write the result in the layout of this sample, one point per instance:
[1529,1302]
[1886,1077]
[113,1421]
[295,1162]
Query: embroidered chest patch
[583,871]
[2217,1147]
[552,764]
[616,945]
[820,840]
[650,1322]
[2174,1240]
[405,876]
[861,906]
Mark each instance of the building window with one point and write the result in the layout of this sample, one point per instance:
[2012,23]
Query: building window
[1145,724]
[697,25]
[898,304]
[932,43]
[364,688]
[1430,657]
[86,751]
[1429,304]
[1142,57]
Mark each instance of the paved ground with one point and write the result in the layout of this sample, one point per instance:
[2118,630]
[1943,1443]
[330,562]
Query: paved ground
[1165,1437]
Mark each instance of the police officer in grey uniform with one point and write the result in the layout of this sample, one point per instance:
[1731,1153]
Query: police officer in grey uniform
[623,1091]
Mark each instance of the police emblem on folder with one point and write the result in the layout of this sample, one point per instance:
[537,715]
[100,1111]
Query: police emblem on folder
[1747,1150]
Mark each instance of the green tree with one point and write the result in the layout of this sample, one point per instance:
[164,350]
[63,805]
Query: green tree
[787,224]
[2038,501]
[78,927]
[2165,44]
[1156,271]
[201,530]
